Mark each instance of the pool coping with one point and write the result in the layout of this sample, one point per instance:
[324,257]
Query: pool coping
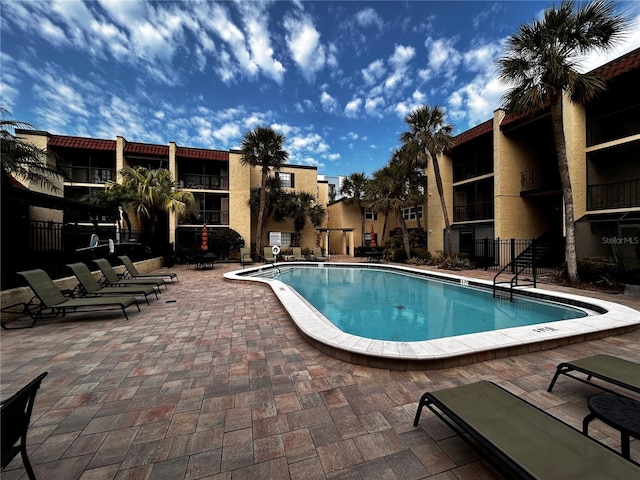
[608,319]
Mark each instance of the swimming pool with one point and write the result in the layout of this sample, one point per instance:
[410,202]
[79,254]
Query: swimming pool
[603,318]
[398,306]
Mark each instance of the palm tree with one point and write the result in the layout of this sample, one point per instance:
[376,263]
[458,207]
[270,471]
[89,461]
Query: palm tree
[148,192]
[24,160]
[304,207]
[541,63]
[353,188]
[428,137]
[263,147]
[275,202]
[378,201]
[392,180]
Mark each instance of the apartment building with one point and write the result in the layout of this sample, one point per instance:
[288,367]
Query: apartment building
[219,182]
[501,177]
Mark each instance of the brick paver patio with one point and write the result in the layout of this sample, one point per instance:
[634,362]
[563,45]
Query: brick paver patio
[212,381]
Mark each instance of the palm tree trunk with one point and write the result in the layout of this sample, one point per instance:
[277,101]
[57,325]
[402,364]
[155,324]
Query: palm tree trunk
[384,226]
[405,233]
[445,215]
[263,201]
[567,192]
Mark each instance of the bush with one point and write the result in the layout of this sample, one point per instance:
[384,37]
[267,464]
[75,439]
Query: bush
[223,241]
[598,270]
[399,255]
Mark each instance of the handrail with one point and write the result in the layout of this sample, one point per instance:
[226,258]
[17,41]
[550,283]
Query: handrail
[526,259]
[266,260]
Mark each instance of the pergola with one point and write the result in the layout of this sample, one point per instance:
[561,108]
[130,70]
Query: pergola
[346,240]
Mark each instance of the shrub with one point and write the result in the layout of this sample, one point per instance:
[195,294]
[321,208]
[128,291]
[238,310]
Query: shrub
[224,240]
[399,255]
[597,270]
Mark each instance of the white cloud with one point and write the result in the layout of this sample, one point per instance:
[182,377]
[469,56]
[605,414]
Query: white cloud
[255,18]
[303,41]
[353,107]
[400,59]
[442,56]
[329,104]
[369,17]
[374,71]
[408,105]
[373,106]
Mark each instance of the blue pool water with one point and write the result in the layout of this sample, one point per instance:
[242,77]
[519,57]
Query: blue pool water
[385,305]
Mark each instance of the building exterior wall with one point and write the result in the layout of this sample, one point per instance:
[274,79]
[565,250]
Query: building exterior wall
[239,192]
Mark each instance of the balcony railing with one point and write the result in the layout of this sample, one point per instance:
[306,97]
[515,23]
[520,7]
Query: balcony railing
[89,174]
[614,195]
[473,211]
[538,179]
[204,182]
[210,217]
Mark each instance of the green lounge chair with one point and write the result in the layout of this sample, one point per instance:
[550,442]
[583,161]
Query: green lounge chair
[528,441]
[89,286]
[113,280]
[268,255]
[132,271]
[318,256]
[616,371]
[15,417]
[51,298]
[245,257]
[297,253]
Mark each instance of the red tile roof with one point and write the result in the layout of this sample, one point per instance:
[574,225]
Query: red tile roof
[620,65]
[475,132]
[147,149]
[79,142]
[201,153]
[608,71]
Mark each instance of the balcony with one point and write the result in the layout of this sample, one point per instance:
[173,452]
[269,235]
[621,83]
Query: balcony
[210,217]
[473,211]
[89,174]
[204,182]
[539,180]
[614,195]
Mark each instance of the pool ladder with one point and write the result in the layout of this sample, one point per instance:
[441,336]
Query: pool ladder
[528,259]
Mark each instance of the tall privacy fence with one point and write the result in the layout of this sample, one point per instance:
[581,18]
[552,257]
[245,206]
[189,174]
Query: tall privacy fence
[497,253]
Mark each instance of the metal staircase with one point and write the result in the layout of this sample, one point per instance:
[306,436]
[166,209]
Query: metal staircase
[528,260]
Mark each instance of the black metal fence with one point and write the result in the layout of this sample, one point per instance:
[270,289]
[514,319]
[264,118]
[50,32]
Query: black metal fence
[497,253]
[50,246]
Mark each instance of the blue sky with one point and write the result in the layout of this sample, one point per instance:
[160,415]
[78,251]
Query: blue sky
[337,78]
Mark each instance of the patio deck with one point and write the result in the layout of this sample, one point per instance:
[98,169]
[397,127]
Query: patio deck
[213,381]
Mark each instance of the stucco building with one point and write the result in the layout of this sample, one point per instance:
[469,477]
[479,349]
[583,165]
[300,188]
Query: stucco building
[219,181]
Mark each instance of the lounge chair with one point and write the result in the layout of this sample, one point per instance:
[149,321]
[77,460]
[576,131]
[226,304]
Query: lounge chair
[616,371]
[318,255]
[245,257]
[297,253]
[268,255]
[113,280]
[528,441]
[51,298]
[15,419]
[89,286]
[132,271]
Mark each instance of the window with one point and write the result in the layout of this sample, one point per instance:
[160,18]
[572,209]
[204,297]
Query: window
[370,215]
[410,213]
[285,239]
[286,179]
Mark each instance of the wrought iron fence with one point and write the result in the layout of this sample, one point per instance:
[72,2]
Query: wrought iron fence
[497,253]
[50,246]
